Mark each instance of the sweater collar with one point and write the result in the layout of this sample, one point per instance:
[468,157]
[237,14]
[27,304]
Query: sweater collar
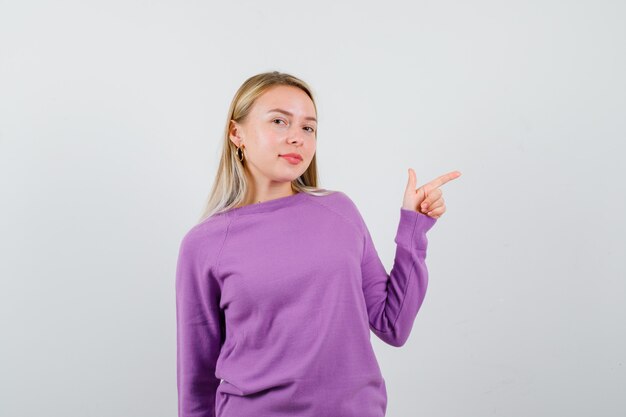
[269,205]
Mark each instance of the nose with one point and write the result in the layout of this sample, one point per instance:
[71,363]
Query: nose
[296,135]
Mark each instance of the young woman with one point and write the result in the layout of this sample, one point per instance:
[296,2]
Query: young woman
[279,284]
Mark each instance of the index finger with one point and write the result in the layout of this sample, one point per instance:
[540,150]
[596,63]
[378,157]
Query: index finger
[441,180]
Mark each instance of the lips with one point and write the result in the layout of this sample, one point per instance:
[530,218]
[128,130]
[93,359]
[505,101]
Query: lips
[292,158]
[292,155]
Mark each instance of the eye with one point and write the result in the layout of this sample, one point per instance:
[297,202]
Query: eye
[312,130]
[280,120]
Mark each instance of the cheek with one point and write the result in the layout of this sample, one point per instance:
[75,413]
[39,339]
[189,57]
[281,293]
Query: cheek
[268,138]
[267,144]
[311,149]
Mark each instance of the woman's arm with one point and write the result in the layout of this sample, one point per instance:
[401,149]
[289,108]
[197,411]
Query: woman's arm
[198,330]
[394,299]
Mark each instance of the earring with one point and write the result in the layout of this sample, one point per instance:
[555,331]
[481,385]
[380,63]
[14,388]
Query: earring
[240,153]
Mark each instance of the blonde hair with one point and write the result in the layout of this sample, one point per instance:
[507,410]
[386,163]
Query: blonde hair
[230,186]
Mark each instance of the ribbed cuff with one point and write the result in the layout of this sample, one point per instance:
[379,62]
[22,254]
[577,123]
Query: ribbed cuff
[412,229]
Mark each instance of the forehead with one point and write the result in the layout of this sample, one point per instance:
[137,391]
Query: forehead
[289,98]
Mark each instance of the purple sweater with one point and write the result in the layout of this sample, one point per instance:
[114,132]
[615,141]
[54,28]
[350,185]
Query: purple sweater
[274,306]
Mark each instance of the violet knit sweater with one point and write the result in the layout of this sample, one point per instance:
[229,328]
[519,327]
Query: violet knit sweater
[274,306]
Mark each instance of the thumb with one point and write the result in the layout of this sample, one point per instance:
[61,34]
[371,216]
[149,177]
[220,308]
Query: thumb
[411,184]
[411,187]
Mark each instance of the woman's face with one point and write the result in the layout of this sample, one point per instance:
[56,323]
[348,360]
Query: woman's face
[281,121]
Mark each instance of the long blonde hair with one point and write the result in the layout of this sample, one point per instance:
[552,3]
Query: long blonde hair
[230,186]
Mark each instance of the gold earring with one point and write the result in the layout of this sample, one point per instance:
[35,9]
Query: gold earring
[240,153]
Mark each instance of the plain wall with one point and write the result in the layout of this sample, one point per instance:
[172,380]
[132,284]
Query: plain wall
[111,121]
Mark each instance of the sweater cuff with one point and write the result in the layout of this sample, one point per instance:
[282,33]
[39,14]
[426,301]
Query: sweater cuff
[412,229]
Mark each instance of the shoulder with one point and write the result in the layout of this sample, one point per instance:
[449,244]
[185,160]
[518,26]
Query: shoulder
[204,240]
[339,203]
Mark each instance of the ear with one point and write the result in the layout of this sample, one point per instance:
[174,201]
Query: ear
[234,131]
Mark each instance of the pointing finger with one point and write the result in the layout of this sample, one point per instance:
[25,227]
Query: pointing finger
[439,181]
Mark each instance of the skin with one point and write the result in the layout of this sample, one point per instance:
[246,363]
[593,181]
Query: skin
[428,198]
[266,135]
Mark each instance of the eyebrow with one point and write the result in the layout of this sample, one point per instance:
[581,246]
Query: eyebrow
[291,114]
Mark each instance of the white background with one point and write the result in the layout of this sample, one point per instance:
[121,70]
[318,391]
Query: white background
[111,116]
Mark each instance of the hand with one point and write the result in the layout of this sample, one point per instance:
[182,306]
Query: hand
[427,199]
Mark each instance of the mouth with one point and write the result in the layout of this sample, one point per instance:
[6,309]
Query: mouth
[292,156]
[293,159]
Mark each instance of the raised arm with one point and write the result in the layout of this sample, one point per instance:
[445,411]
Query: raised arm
[394,299]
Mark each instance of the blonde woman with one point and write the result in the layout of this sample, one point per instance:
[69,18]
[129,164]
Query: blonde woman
[279,283]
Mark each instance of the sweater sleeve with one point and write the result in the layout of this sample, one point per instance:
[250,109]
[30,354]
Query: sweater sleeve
[394,299]
[198,329]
